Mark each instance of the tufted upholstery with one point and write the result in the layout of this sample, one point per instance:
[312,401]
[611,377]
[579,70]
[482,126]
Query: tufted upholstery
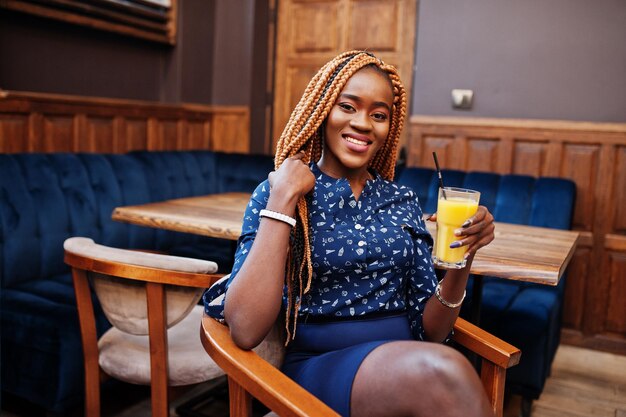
[525,315]
[46,198]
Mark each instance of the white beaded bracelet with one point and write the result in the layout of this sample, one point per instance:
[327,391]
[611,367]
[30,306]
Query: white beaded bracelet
[278,216]
[445,302]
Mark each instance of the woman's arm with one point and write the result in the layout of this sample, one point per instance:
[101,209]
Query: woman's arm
[254,297]
[439,319]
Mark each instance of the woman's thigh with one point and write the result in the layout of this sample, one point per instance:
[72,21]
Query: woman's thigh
[409,378]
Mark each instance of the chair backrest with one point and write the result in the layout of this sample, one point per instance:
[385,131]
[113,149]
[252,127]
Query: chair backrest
[124,300]
[135,289]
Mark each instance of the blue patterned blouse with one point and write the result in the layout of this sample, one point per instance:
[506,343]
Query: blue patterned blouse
[370,255]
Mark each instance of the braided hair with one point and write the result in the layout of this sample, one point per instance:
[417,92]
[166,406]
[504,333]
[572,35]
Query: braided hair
[304,133]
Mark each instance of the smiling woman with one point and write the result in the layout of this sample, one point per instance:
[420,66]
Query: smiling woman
[354,277]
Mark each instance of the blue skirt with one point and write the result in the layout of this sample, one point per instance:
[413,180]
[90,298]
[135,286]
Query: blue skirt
[325,356]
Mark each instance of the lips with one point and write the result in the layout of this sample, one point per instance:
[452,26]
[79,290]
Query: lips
[357,143]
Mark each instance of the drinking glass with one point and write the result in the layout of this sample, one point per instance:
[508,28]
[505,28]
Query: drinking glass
[454,207]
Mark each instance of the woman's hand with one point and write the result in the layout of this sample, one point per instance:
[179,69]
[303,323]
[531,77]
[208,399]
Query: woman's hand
[293,177]
[477,231]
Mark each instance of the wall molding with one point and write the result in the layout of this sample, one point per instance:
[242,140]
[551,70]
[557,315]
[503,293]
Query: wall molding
[41,122]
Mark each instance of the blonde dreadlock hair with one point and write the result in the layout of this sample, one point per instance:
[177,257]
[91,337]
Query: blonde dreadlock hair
[303,133]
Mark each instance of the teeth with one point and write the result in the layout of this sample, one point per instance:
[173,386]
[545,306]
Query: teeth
[355,141]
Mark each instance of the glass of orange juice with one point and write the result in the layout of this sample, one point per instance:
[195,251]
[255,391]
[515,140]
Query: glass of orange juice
[454,207]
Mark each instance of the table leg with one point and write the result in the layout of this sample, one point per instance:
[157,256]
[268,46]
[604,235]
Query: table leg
[477,296]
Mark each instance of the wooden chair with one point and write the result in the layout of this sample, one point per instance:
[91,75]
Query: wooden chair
[251,376]
[143,295]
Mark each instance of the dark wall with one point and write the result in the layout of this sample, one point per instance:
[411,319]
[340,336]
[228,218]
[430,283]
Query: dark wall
[44,55]
[559,59]
[220,58]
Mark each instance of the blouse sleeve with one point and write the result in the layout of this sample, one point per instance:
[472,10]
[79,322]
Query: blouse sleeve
[422,280]
[214,297]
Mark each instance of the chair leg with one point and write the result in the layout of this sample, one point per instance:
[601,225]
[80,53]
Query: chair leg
[240,400]
[526,407]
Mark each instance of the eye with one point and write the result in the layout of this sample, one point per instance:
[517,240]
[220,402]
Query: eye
[381,117]
[346,106]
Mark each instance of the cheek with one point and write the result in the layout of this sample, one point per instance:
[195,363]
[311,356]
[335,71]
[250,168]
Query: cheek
[383,131]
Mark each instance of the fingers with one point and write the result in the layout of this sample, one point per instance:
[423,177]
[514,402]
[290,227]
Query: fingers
[475,223]
[480,215]
[477,242]
[476,232]
[299,155]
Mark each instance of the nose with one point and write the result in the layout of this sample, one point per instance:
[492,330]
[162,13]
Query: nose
[361,121]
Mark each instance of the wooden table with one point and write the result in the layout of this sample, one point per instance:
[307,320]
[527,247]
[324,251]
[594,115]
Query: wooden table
[518,252]
[215,215]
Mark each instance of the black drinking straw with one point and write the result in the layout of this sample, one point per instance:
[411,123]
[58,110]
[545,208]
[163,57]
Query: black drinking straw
[443,190]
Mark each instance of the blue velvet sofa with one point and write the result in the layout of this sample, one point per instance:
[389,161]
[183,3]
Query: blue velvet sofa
[46,198]
[524,314]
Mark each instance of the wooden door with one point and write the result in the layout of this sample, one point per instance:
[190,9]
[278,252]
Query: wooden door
[311,32]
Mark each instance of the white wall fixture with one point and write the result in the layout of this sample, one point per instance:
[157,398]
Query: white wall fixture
[462,99]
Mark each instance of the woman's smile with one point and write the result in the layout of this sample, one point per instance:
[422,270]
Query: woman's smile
[356,142]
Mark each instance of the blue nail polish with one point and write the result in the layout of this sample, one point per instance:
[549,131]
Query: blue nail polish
[454,245]
[466,224]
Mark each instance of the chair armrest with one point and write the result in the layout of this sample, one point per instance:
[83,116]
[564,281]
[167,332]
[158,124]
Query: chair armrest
[141,273]
[258,377]
[486,345]
[251,376]
[497,357]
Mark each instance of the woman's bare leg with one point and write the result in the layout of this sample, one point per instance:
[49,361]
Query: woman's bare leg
[408,378]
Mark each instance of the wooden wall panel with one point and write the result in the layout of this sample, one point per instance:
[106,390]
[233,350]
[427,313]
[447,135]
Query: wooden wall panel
[593,155]
[14,132]
[58,134]
[616,306]
[134,137]
[580,163]
[97,133]
[619,190]
[482,154]
[443,145]
[314,24]
[34,122]
[227,129]
[163,135]
[381,33]
[197,136]
[529,157]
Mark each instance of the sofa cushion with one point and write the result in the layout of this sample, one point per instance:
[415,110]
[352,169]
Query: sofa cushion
[241,173]
[41,346]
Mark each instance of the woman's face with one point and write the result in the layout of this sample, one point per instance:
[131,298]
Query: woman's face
[358,123]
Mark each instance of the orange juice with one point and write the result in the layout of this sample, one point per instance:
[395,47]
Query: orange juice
[452,212]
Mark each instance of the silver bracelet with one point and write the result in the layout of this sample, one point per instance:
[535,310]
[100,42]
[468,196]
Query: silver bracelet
[444,302]
[278,216]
